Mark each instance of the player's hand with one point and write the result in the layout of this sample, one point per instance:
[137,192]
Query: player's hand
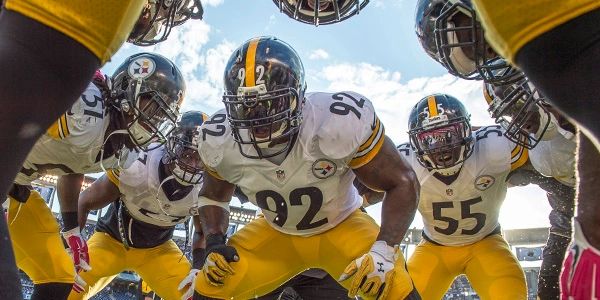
[373,273]
[218,256]
[188,284]
[580,278]
[77,249]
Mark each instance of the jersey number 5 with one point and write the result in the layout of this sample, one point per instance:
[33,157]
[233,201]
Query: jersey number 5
[465,213]
[315,197]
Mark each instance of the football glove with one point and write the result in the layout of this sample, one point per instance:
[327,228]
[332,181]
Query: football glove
[580,278]
[188,284]
[79,284]
[77,249]
[373,273]
[218,256]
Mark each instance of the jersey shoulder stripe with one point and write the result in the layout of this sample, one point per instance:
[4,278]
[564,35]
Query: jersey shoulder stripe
[59,129]
[113,176]
[518,157]
[369,148]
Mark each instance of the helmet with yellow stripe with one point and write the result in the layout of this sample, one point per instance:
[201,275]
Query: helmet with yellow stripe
[320,12]
[182,148]
[440,132]
[264,92]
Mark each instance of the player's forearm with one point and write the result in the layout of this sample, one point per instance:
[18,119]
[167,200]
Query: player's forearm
[398,209]
[68,188]
[214,219]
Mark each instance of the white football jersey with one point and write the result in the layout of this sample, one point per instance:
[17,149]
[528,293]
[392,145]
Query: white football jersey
[467,210]
[555,158]
[72,144]
[311,190]
[143,194]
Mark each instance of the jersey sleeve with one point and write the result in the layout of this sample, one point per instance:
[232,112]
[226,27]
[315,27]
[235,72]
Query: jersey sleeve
[492,142]
[518,156]
[349,128]
[83,123]
[113,176]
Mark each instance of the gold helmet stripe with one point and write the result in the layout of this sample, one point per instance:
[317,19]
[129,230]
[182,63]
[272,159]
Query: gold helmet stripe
[432,104]
[486,94]
[250,61]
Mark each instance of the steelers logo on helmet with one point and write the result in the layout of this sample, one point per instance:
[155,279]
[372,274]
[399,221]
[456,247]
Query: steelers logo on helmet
[141,68]
[148,89]
[323,168]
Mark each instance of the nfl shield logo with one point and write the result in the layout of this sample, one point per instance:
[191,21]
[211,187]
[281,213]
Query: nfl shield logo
[280,174]
[449,192]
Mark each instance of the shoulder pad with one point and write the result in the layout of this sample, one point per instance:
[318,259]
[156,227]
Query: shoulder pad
[85,119]
[215,132]
[343,122]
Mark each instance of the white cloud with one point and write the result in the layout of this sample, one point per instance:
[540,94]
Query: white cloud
[394,99]
[206,87]
[319,54]
[212,2]
[272,21]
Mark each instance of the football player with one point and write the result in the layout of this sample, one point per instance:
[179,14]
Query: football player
[320,12]
[531,34]
[113,116]
[556,45]
[450,33]
[530,122]
[463,184]
[295,156]
[51,48]
[149,198]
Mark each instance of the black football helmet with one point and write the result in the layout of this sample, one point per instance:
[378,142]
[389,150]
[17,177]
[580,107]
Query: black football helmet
[182,148]
[450,33]
[440,132]
[520,109]
[158,17]
[320,12]
[264,93]
[148,90]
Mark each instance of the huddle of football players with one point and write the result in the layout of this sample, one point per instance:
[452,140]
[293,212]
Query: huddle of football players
[296,155]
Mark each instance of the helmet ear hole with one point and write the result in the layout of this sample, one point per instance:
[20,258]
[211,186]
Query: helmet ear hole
[125,106]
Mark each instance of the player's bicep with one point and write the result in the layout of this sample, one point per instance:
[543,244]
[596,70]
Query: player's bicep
[216,189]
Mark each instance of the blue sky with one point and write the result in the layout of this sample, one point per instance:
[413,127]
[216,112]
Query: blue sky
[375,53]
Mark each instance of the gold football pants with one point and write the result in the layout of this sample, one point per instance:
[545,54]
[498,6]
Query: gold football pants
[162,267]
[35,235]
[490,266]
[268,258]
